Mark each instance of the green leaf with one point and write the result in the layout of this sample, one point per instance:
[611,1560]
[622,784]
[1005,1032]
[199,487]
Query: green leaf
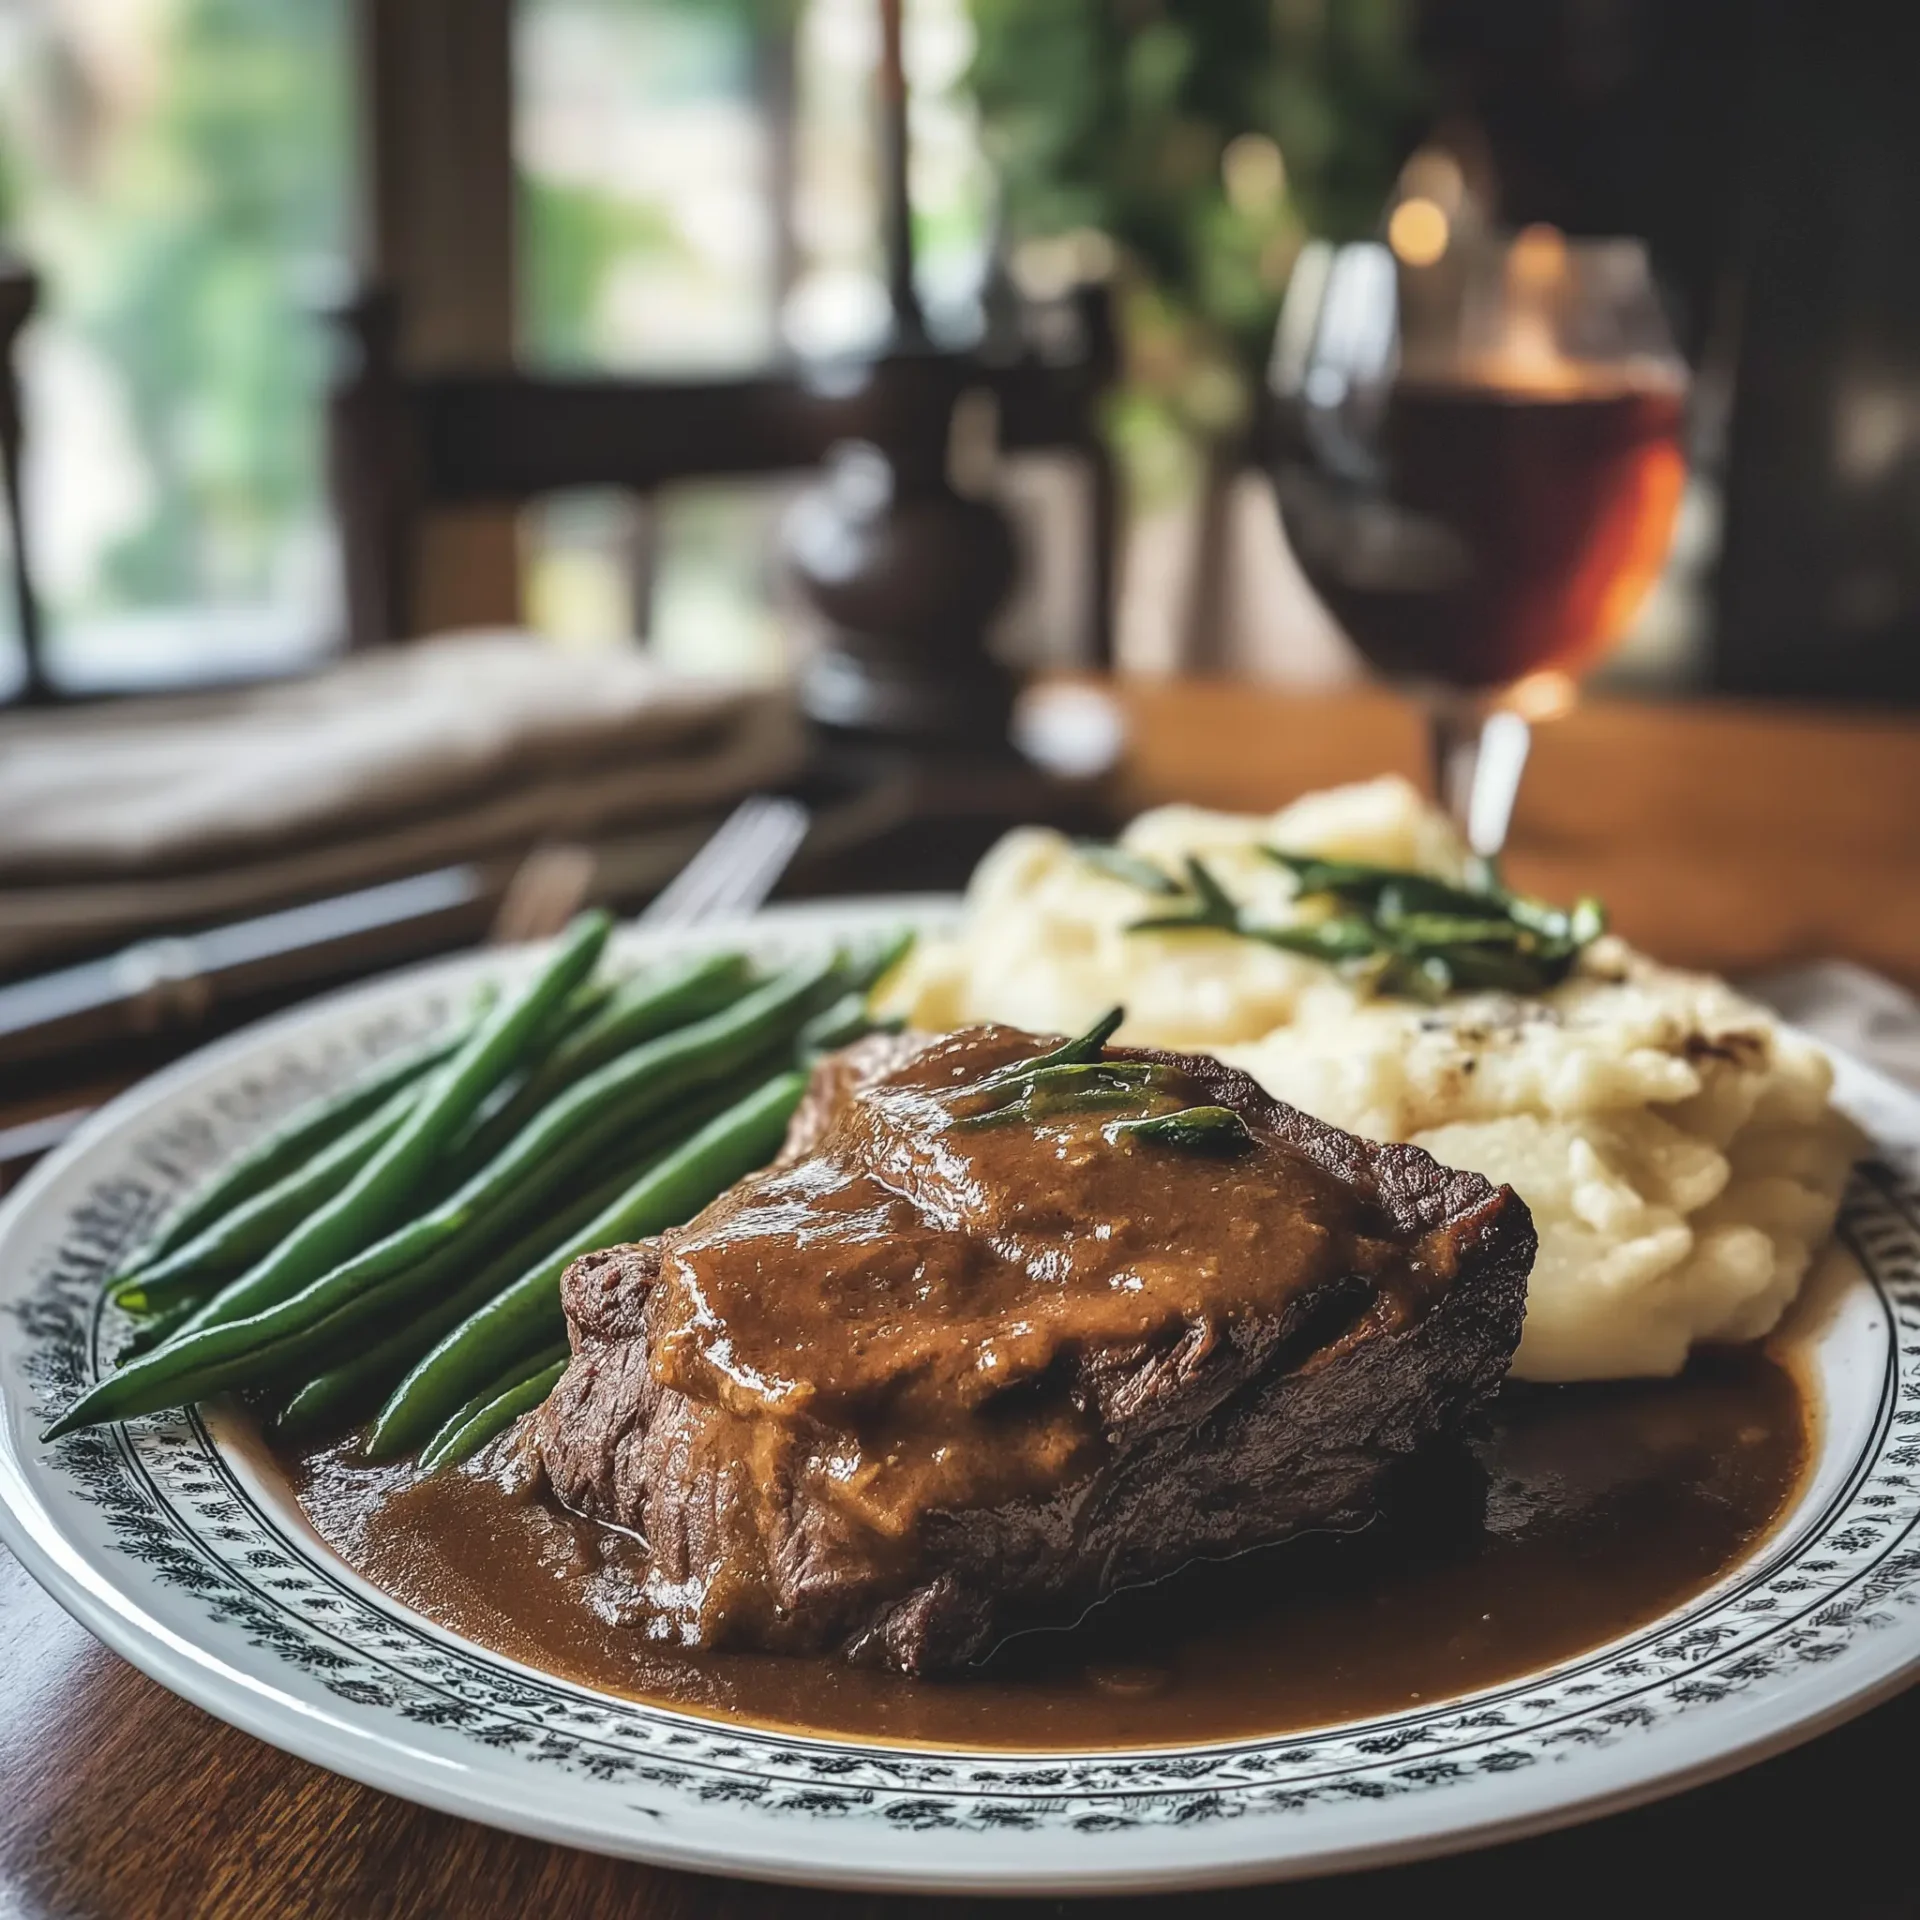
[1190,1129]
[1348,938]
[1118,864]
[1588,920]
[1212,906]
[1086,1046]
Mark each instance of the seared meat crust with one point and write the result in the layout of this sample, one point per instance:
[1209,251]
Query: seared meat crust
[1113,1463]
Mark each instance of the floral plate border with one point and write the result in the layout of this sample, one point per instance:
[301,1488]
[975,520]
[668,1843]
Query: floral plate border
[172,1548]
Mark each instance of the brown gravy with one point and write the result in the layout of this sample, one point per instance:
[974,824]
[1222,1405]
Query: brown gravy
[1581,1513]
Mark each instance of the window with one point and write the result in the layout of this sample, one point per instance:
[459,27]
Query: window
[697,193]
[177,171]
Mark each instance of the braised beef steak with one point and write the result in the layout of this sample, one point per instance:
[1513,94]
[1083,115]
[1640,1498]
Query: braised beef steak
[962,1362]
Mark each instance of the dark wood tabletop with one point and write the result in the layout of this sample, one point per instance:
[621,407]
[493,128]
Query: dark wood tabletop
[1723,838]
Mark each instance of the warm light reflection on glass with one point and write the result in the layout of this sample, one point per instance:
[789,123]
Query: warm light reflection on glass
[1418,231]
[1542,696]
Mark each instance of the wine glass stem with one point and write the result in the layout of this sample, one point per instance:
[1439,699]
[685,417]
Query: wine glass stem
[1479,753]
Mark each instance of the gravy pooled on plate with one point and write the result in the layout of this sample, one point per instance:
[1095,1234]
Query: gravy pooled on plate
[1012,1326]
[1579,1515]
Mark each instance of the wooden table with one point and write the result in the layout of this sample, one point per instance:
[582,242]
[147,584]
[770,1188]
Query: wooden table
[1722,838]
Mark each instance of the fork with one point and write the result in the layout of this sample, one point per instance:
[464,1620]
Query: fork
[732,872]
[737,868]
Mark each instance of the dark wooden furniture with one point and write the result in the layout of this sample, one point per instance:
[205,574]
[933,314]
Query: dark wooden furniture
[906,572]
[19,295]
[404,443]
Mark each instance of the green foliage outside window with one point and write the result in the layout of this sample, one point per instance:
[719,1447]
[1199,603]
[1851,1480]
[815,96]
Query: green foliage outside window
[185,225]
[1154,123]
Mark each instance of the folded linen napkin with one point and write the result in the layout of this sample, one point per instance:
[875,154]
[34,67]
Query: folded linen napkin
[117,819]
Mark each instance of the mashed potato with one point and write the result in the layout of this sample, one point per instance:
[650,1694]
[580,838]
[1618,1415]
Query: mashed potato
[1675,1144]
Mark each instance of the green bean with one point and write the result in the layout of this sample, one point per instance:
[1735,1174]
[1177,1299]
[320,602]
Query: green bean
[576,1127]
[162,1326]
[836,1026]
[652,1002]
[364,1379]
[291,1282]
[358,1384]
[581,1006]
[869,965]
[584,1004]
[281,1346]
[519,1390]
[848,1018]
[275,1347]
[254,1228]
[640,1009]
[569,1133]
[360,1213]
[527,1315]
[289,1146]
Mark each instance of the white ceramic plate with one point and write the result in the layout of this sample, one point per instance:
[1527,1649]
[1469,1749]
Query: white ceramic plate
[180,1556]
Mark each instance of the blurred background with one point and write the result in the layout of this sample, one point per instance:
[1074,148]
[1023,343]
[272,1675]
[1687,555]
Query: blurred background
[437,435]
[676,188]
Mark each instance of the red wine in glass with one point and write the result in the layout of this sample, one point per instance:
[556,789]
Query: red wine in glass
[1478,467]
[1507,531]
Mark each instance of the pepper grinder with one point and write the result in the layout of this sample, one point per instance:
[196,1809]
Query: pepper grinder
[906,572]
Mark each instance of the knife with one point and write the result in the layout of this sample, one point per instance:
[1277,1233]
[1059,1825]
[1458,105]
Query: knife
[171,982]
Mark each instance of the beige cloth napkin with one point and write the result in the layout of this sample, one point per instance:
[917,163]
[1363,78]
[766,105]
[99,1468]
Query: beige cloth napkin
[116,819]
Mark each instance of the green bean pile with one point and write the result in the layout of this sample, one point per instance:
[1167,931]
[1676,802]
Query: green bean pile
[394,1251]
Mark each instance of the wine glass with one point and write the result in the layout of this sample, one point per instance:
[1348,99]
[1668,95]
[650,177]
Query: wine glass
[1478,463]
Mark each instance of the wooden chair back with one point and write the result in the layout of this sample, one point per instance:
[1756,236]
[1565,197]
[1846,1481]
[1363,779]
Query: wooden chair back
[19,295]
[404,443]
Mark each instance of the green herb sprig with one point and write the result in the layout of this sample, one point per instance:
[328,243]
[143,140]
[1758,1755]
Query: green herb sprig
[1075,1078]
[1050,1093]
[1084,1047]
[1118,864]
[1208,905]
[1431,937]
[1401,931]
[1217,1130]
